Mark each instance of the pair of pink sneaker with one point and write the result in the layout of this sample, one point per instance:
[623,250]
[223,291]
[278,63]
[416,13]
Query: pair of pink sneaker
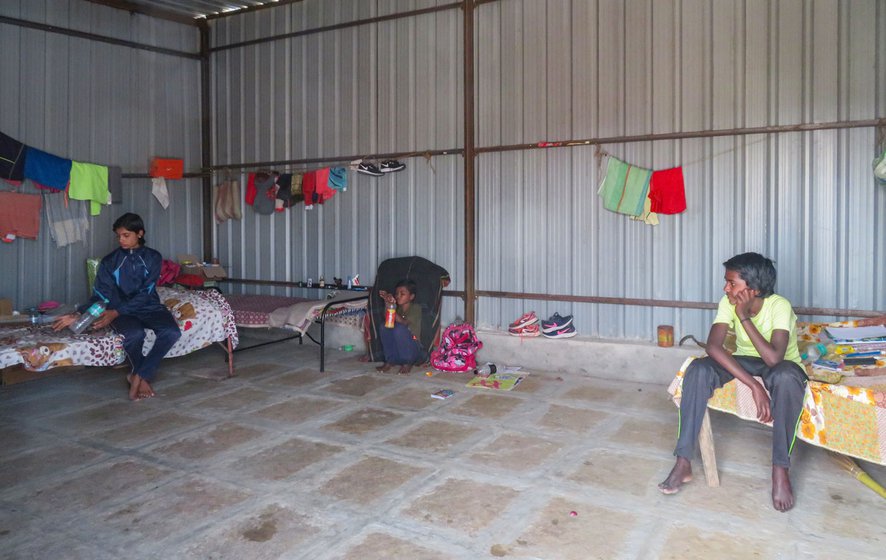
[556,326]
[526,326]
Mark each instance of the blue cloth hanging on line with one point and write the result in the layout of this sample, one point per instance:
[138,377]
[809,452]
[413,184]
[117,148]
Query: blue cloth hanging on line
[46,169]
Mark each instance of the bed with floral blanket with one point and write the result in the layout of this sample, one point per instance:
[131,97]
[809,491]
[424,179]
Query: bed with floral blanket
[203,316]
[844,412]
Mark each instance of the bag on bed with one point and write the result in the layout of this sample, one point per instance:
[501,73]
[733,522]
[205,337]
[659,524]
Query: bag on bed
[168,272]
[458,348]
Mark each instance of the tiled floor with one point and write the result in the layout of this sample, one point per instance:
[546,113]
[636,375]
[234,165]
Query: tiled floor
[283,461]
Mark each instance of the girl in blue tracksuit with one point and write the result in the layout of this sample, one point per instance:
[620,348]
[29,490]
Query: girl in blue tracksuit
[126,281]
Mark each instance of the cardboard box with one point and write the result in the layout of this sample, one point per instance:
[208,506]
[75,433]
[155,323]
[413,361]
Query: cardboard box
[190,264]
[5,307]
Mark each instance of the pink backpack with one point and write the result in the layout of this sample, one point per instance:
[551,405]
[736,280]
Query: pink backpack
[458,346]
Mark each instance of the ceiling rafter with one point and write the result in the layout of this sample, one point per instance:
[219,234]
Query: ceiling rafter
[148,10]
[192,12]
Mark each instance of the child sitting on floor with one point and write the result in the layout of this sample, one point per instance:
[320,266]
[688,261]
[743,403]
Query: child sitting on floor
[401,344]
[766,339]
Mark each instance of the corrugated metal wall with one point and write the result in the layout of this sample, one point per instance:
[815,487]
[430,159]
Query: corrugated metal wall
[545,71]
[378,88]
[102,103]
[558,70]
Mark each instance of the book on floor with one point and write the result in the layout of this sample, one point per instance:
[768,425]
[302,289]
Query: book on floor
[443,394]
[497,381]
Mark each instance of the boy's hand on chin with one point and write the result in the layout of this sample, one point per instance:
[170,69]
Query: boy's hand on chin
[744,302]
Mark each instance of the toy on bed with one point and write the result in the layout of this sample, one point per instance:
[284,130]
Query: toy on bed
[203,316]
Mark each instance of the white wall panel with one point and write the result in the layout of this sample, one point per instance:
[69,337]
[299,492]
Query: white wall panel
[102,103]
[393,86]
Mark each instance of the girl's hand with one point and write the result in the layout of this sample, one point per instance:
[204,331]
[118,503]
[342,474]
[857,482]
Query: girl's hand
[105,319]
[744,303]
[64,321]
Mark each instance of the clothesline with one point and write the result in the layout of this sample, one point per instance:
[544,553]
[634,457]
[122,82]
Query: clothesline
[427,154]
[80,180]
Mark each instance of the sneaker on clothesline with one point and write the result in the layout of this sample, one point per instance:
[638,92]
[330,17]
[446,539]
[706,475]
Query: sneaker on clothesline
[526,331]
[555,322]
[391,165]
[367,168]
[526,319]
[565,332]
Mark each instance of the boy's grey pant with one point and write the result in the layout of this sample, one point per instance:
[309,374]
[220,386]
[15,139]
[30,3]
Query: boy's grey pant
[786,383]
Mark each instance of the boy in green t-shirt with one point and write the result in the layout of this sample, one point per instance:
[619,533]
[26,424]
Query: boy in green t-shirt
[766,340]
[401,344]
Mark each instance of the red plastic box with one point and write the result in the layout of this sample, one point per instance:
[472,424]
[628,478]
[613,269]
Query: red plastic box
[167,168]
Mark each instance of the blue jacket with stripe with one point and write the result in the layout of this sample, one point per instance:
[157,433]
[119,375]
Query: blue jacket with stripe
[127,280]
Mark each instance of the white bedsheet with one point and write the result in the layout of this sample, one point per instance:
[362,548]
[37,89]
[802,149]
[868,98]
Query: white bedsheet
[300,316]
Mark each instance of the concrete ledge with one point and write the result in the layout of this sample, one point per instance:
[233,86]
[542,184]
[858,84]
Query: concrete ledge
[592,357]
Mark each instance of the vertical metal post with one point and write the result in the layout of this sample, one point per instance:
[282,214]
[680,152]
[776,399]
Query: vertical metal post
[469,155]
[206,140]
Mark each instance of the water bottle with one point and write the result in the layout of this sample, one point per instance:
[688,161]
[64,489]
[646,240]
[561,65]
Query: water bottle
[390,314]
[814,352]
[94,312]
[322,282]
[310,282]
[485,370]
[350,282]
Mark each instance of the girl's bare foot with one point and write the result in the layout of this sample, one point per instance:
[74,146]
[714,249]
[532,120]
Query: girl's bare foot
[404,370]
[139,388]
[145,391]
[384,368]
[135,382]
[782,492]
[680,475]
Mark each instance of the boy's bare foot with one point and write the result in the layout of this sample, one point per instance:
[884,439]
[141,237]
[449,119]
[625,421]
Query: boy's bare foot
[384,368]
[680,475]
[782,492]
[364,358]
[404,370]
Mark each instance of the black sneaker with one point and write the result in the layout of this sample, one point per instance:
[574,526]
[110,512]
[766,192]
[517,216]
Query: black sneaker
[369,169]
[391,165]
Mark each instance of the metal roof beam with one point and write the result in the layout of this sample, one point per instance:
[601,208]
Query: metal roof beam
[151,11]
[254,8]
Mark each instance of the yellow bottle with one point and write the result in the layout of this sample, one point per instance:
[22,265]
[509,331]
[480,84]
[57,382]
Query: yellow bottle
[390,314]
